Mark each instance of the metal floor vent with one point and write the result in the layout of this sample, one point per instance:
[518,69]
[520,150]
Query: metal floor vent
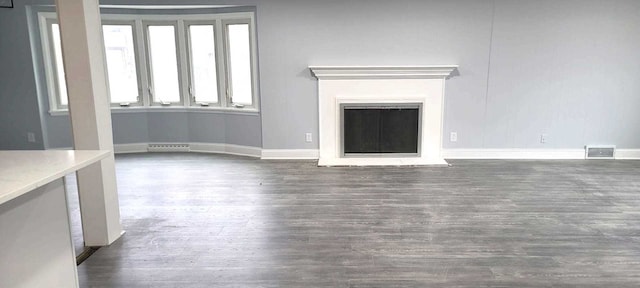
[600,152]
[168,147]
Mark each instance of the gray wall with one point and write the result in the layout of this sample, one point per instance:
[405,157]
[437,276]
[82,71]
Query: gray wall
[156,126]
[19,112]
[566,68]
[181,127]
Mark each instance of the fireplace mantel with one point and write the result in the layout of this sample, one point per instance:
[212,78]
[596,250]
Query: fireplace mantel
[375,85]
[383,72]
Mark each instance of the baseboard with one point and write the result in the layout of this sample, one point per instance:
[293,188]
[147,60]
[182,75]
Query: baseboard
[513,154]
[226,149]
[293,154]
[628,154]
[219,148]
[130,148]
[59,148]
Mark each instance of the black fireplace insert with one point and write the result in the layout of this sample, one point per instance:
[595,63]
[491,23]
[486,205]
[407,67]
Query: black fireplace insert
[382,129]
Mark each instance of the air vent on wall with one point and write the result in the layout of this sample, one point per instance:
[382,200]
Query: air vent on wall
[168,147]
[600,152]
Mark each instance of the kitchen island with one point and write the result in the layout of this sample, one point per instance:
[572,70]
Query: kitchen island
[36,248]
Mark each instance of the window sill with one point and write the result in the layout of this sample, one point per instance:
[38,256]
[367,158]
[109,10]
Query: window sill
[214,110]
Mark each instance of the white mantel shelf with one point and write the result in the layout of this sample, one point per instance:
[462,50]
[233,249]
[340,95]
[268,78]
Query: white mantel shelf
[383,72]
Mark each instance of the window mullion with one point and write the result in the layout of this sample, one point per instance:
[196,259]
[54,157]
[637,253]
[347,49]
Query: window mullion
[144,64]
[223,95]
[182,64]
[189,75]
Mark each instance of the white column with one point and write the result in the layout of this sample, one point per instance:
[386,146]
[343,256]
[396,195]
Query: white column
[85,69]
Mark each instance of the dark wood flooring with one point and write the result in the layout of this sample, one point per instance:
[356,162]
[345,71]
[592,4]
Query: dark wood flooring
[198,220]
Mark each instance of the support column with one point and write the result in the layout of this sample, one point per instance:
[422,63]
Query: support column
[85,70]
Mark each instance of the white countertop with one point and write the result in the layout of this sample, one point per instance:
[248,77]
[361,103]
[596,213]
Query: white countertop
[24,171]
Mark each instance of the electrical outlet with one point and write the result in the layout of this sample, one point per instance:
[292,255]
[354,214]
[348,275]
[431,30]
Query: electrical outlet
[453,137]
[31,137]
[308,137]
[543,138]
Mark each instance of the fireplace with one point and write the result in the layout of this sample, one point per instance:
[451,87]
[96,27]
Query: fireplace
[381,115]
[383,130]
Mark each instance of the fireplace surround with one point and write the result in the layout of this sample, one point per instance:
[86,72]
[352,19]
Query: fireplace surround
[340,86]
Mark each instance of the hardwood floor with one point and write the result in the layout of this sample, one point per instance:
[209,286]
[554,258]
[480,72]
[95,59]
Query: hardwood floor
[197,220]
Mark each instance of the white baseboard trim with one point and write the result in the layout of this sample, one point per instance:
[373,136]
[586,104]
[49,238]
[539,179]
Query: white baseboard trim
[130,148]
[292,154]
[628,154]
[541,154]
[60,148]
[219,148]
[226,149]
[313,154]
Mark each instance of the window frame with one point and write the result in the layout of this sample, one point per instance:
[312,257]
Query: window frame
[219,66]
[252,61]
[46,21]
[147,44]
[181,23]
[138,64]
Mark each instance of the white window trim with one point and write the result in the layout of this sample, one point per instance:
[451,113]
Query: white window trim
[45,19]
[219,66]
[253,61]
[140,22]
[164,109]
[149,85]
[136,50]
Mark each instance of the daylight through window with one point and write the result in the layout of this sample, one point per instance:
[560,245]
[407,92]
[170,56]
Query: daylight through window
[204,61]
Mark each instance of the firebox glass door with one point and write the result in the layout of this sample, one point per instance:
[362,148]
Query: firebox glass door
[381,130]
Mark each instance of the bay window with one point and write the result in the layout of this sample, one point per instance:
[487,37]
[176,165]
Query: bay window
[204,62]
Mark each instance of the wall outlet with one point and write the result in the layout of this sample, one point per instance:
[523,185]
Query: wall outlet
[308,137]
[453,137]
[543,138]
[31,137]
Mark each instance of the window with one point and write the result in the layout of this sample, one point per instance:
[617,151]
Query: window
[200,61]
[60,83]
[121,64]
[204,80]
[239,62]
[163,63]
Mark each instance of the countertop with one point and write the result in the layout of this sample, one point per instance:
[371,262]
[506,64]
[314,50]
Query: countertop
[23,171]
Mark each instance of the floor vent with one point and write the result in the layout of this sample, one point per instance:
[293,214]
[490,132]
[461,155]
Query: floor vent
[159,147]
[600,152]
